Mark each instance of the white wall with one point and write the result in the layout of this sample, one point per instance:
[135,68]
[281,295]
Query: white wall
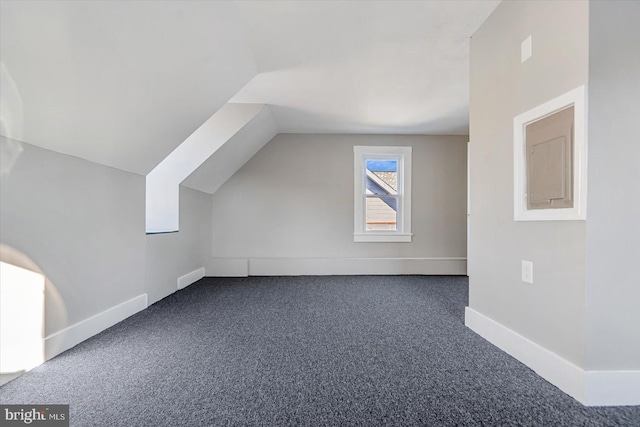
[294,200]
[162,200]
[613,226]
[82,225]
[172,255]
[550,312]
[577,324]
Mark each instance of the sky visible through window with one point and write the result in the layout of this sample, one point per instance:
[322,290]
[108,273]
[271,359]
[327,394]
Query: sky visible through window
[382,165]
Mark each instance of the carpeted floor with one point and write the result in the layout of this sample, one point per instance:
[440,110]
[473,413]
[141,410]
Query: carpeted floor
[315,351]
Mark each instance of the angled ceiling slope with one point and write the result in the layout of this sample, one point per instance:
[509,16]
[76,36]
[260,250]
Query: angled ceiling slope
[162,183]
[234,154]
[118,83]
[125,83]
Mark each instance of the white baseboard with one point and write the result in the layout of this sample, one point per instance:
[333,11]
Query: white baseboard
[73,335]
[189,278]
[613,388]
[591,388]
[227,267]
[553,368]
[242,267]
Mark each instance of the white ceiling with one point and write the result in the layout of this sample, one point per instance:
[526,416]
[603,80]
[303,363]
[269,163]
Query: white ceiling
[124,83]
[363,67]
[120,83]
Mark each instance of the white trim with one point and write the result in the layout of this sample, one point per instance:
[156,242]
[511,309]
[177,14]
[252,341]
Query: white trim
[355,266]
[577,98]
[73,335]
[403,155]
[592,388]
[382,237]
[613,388]
[468,199]
[227,267]
[189,278]
[558,371]
[336,266]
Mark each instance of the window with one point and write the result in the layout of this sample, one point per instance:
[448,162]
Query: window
[382,194]
[550,160]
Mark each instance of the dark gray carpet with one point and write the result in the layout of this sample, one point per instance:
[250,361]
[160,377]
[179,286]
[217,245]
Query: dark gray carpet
[367,350]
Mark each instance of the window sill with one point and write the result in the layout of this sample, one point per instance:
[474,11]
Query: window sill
[383,237]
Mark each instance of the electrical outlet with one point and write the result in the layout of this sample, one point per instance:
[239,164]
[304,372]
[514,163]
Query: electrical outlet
[527,271]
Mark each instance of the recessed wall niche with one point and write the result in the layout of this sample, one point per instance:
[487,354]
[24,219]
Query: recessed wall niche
[550,160]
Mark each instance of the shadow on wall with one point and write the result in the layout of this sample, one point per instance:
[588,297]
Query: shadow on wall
[11,108]
[11,121]
[23,289]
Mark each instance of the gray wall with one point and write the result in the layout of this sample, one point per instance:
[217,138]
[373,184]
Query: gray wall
[172,255]
[613,225]
[550,312]
[82,224]
[294,198]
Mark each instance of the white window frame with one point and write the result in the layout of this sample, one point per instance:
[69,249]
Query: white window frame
[403,156]
[577,99]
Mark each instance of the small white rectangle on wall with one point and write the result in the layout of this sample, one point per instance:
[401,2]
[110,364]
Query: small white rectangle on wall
[527,271]
[526,49]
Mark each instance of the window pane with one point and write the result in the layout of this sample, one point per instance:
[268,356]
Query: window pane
[382,177]
[381,213]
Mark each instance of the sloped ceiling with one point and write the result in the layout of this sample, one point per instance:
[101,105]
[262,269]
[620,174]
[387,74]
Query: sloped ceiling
[124,83]
[232,155]
[120,83]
